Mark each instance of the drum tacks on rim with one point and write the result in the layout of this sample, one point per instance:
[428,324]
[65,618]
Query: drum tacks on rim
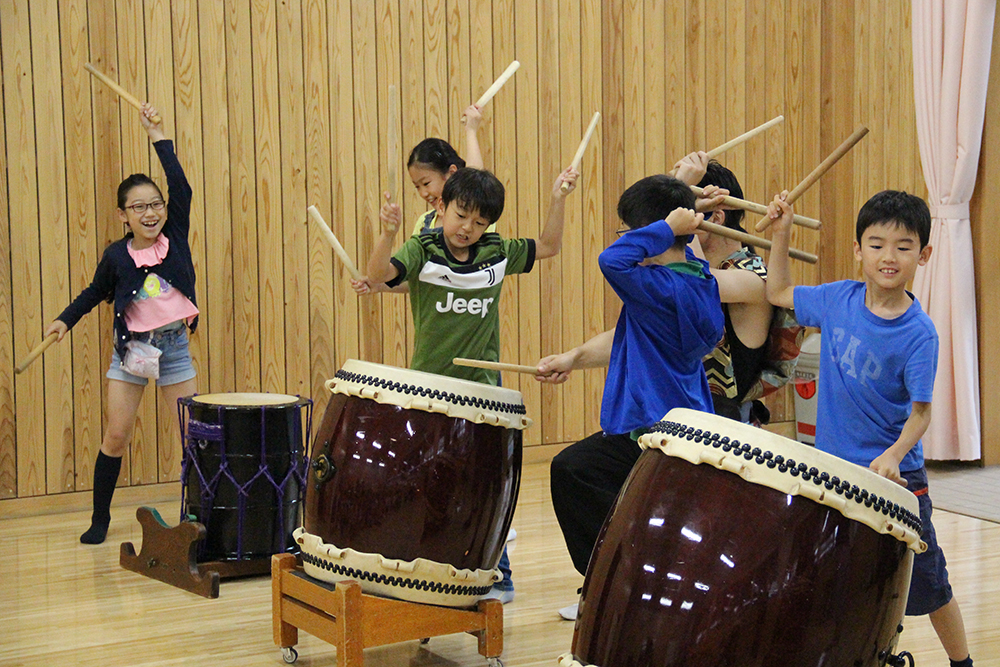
[730,545]
[413,485]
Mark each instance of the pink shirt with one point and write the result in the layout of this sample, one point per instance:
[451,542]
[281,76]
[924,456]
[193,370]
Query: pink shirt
[157,303]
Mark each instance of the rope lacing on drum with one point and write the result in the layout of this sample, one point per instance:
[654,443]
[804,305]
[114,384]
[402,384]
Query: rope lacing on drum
[436,394]
[796,469]
[195,432]
[399,582]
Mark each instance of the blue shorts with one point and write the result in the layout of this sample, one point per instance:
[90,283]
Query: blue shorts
[929,587]
[175,362]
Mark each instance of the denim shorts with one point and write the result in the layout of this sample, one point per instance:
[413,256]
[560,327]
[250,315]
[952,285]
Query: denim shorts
[175,362]
[929,587]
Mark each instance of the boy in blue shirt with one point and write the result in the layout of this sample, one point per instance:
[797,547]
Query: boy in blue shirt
[878,358]
[671,317]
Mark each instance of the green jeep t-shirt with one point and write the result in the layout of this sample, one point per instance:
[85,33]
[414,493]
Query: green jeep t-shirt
[456,304]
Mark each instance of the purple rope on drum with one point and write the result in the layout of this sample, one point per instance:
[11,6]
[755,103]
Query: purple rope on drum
[223,445]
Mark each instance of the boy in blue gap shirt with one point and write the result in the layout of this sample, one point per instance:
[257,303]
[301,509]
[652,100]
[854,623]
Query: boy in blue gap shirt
[878,357]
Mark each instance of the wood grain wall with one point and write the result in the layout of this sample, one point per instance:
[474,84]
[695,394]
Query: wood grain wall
[278,105]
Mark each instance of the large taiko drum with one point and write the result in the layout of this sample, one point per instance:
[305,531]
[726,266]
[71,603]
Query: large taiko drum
[413,484]
[243,471]
[731,546]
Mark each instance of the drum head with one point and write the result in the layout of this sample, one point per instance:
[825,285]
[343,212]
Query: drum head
[254,399]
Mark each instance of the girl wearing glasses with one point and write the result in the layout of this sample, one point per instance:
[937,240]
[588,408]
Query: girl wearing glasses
[149,277]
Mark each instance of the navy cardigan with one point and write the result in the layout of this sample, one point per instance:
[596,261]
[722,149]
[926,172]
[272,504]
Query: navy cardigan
[117,277]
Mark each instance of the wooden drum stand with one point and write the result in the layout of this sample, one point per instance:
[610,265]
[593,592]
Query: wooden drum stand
[353,621]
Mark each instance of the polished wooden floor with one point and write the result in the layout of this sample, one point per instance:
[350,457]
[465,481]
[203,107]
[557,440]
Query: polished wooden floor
[62,603]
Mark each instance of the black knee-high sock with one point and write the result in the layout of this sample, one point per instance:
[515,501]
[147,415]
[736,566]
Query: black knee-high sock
[105,478]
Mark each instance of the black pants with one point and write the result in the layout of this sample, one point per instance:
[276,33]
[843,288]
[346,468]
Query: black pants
[585,479]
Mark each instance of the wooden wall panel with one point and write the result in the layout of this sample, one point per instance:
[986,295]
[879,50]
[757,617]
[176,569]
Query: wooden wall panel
[294,235]
[53,242]
[20,122]
[218,366]
[83,251]
[275,106]
[318,192]
[8,431]
[243,172]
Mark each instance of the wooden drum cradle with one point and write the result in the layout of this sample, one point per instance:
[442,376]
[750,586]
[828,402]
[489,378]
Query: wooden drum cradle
[413,484]
[732,546]
[242,478]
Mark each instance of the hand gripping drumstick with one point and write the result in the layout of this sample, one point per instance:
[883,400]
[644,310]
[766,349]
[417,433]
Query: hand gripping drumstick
[495,366]
[122,93]
[332,239]
[575,164]
[393,142]
[497,85]
[823,167]
[755,241]
[759,209]
[35,353]
[733,143]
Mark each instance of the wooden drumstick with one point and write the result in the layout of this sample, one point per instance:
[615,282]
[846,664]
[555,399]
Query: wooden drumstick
[759,209]
[498,84]
[816,173]
[755,241]
[332,239]
[122,93]
[575,164]
[733,143]
[495,366]
[35,353]
[393,142]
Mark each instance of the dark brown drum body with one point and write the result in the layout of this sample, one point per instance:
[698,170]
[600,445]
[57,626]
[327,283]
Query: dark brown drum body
[731,546]
[413,484]
[243,471]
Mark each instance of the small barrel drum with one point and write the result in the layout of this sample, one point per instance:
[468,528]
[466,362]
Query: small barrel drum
[243,470]
[732,546]
[413,484]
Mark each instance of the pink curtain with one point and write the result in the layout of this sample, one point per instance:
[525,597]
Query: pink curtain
[951,62]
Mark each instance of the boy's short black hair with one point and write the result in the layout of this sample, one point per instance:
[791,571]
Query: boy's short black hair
[718,175]
[653,198]
[435,153]
[906,210]
[475,190]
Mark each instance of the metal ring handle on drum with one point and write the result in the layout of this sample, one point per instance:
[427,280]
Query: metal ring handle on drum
[323,470]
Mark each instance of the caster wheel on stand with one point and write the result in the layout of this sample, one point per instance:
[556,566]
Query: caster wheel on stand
[289,655]
[494,662]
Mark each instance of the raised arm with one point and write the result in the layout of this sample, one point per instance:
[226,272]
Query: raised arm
[473,154]
[740,286]
[380,269]
[780,290]
[549,242]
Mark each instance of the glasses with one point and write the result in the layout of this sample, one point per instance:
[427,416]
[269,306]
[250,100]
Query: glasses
[621,231]
[141,207]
